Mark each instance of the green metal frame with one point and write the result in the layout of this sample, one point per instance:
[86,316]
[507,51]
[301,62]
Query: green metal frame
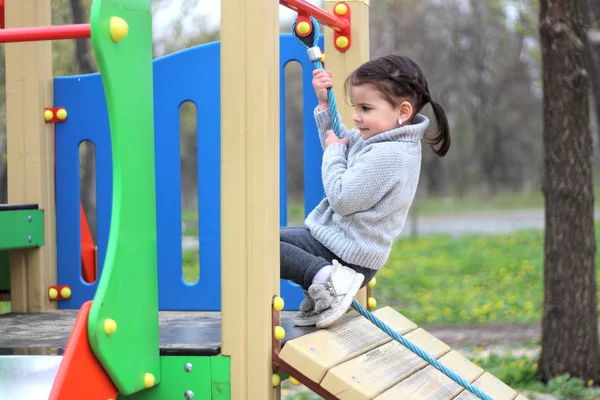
[21,229]
[123,326]
[127,293]
[206,378]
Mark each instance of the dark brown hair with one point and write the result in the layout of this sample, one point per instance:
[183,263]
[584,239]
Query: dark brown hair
[400,78]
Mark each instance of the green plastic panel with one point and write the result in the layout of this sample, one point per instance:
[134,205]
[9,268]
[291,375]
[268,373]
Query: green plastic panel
[127,293]
[221,378]
[21,229]
[4,271]
[177,380]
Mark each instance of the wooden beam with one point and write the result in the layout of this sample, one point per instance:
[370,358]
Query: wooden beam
[30,152]
[249,191]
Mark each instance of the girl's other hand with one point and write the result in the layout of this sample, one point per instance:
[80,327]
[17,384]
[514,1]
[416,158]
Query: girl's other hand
[332,138]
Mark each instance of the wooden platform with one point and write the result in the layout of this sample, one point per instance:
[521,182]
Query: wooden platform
[355,360]
[181,333]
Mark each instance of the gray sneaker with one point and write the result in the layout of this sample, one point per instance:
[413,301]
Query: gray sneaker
[307,304]
[332,299]
[316,300]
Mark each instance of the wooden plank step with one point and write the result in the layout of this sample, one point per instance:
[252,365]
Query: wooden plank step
[430,383]
[369,374]
[316,353]
[491,386]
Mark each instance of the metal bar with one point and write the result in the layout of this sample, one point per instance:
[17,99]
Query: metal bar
[58,32]
[330,20]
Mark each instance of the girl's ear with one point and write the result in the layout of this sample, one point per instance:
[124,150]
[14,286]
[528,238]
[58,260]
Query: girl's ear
[405,111]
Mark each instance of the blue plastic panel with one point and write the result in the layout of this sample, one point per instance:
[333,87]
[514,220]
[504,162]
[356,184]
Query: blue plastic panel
[83,98]
[190,75]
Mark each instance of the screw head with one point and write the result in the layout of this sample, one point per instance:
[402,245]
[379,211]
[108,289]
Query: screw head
[188,367]
[29,238]
[189,394]
[29,218]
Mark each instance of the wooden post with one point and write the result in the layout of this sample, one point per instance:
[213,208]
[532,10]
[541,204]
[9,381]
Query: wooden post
[30,152]
[249,191]
[341,64]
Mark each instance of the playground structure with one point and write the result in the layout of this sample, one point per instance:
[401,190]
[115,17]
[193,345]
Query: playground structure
[119,344]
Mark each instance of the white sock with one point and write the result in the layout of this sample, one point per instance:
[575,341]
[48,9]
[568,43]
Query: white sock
[323,273]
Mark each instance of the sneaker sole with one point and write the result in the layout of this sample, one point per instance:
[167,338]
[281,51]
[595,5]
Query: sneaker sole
[343,307]
[306,321]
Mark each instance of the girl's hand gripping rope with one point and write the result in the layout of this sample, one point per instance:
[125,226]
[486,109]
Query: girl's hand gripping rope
[322,81]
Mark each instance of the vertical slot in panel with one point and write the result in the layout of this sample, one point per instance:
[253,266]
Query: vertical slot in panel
[189,188]
[88,216]
[294,145]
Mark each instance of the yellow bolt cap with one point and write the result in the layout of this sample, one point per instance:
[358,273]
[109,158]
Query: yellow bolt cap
[303,28]
[275,379]
[61,114]
[342,42]
[372,282]
[110,326]
[279,333]
[278,303]
[65,293]
[148,380]
[118,28]
[53,293]
[294,381]
[48,115]
[371,303]
[341,9]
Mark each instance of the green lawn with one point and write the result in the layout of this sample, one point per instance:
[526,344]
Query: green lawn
[471,279]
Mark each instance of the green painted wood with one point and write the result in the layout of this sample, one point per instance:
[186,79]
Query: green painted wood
[176,380]
[4,271]
[221,378]
[20,229]
[128,287]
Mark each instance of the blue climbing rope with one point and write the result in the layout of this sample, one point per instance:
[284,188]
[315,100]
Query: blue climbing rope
[311,44]
[409,345]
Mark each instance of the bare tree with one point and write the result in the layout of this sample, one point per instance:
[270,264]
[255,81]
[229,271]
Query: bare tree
[593,34]
[569,330]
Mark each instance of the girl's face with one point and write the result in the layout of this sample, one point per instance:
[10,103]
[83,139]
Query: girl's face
[372,114]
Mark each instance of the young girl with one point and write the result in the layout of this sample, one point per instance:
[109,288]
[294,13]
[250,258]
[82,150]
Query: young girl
[370,176]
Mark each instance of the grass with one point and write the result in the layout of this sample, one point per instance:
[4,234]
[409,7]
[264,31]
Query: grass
[522,374]
[470,279]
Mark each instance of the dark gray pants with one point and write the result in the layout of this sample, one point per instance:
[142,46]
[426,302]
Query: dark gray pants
[302,256]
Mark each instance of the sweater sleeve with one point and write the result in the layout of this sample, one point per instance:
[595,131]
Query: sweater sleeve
[324,123]
[360,187]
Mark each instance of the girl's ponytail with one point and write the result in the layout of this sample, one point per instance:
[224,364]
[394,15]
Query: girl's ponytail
[443,137]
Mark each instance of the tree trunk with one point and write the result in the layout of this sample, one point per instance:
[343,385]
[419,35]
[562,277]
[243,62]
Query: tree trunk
[569,331]
[592,12]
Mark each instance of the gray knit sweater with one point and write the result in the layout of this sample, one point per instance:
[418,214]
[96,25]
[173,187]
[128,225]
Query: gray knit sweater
[369,188]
